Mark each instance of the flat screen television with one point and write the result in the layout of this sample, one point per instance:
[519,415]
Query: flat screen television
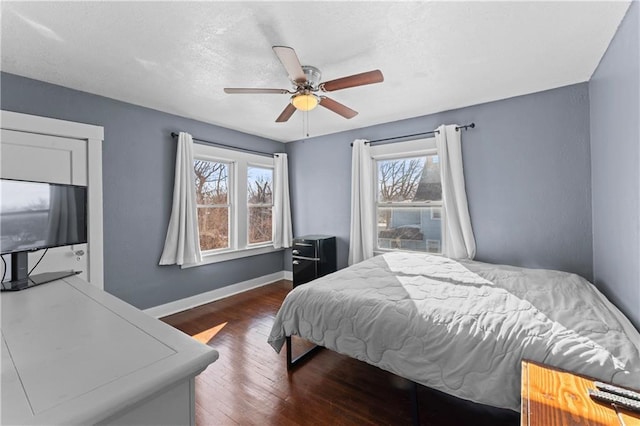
[35,216]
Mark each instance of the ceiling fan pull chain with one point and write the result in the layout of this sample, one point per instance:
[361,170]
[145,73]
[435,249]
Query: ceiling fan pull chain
[306,114]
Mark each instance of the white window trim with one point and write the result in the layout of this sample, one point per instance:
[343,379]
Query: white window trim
[238,215]
[439,243]
[208,258]
[417,147]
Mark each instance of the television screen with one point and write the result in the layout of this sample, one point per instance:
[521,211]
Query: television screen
[36,215]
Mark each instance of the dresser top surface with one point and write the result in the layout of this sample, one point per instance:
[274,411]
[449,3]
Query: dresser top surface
[67,347]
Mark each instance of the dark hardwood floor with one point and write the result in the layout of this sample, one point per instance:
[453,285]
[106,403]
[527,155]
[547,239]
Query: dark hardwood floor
[249,384]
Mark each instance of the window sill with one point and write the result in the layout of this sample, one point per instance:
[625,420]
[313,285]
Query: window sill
[378,252]
[232,254]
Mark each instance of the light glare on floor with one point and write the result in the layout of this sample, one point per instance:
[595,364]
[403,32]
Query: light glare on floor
[207,335]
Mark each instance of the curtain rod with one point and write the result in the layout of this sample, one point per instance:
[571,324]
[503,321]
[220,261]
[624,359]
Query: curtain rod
[432,132]
[235,148]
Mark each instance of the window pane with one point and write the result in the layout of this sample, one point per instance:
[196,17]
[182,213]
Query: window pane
[418,229]
[212,182]
[409,179]
[213,224]
[259,224]
[259,186]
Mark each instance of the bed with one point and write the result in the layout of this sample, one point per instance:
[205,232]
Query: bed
[462,327]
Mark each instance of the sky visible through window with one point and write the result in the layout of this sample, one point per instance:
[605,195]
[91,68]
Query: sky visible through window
[259,185]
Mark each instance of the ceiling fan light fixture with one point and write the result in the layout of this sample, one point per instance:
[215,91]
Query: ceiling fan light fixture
[305,101]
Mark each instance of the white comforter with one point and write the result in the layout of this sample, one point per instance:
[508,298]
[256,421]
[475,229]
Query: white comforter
[462,327]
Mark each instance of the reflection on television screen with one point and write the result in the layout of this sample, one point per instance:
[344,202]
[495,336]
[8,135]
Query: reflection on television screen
[36,215]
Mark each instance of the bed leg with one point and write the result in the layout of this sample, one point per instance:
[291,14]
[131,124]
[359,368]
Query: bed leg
[289,363]
[415,410]
[292,362]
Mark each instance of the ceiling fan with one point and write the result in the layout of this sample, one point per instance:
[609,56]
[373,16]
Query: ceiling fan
[306,80]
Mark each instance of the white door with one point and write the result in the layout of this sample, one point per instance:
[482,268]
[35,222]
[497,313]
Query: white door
[42,158]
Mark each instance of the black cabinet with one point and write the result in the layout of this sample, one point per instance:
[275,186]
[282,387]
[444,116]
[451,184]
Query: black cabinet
[313,257]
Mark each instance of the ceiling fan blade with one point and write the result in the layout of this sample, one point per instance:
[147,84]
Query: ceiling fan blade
[337,107]
[361,79]
[246,90]
[291,63]
[286,114]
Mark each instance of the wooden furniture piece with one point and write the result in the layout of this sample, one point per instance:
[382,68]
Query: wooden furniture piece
[73,354]
[554,397]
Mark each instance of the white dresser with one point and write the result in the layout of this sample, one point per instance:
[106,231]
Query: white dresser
[73,354]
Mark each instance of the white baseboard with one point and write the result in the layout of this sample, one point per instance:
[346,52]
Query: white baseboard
[213,295]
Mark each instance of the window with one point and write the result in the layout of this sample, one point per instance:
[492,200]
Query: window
[408,197]
[234,198]
[260,204]
[212,198]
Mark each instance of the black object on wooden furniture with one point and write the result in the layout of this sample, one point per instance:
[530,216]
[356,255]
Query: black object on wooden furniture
[313,257]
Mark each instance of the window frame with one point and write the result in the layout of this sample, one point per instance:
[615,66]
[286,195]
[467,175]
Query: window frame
[239,162]
[394,151]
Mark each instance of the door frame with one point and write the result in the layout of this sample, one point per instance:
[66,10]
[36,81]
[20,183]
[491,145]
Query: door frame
[93,136]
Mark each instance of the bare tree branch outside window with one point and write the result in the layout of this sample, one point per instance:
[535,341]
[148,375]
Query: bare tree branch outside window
[399,179]
[212,195]
[260,201]
[404,186]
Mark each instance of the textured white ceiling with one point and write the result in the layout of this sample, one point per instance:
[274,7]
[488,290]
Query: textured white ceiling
[178,56]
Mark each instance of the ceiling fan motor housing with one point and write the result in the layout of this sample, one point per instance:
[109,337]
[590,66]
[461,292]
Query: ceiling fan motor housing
[313,75]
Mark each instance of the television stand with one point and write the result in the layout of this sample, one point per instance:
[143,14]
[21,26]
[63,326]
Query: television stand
[38,279]
[20,278]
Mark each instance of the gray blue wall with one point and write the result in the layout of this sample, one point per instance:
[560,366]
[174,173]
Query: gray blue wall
[527,173]
[615,162]
[538,169]
[138,165]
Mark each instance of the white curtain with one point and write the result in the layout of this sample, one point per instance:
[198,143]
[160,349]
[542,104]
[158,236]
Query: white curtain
[458,241]
[362,232]
[282,235]
[182,244]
